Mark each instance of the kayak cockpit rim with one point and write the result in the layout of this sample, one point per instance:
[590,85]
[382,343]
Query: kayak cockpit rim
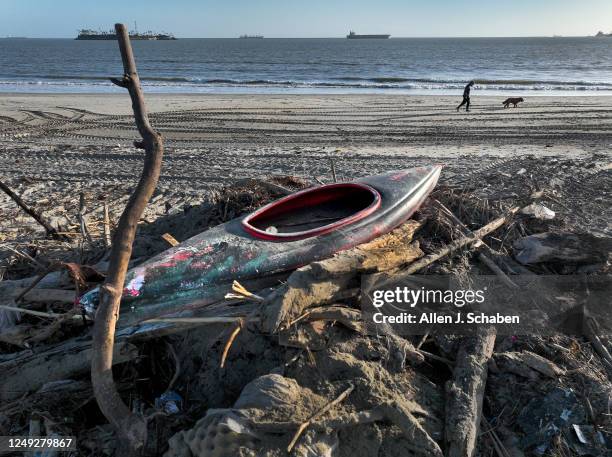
[312,212]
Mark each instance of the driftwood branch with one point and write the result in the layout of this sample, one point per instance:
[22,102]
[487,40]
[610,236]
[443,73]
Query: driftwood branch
[458,244]
[32,212]
[129,426]
[465,393]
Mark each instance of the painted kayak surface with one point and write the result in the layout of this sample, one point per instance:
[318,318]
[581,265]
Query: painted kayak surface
[263,247]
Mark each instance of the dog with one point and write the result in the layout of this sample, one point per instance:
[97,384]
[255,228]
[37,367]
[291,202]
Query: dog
[514,100]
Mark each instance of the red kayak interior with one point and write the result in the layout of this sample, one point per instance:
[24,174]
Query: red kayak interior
[313,212]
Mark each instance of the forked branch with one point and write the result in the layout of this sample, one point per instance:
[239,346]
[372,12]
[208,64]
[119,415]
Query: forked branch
[131,428]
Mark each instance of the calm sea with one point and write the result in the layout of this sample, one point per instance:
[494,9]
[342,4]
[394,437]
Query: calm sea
[579,66]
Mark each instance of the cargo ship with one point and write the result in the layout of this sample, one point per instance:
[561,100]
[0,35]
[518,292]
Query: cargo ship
[86,34]
[251,37]
[353,36]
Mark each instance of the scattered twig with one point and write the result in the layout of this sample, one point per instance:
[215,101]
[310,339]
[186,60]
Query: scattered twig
[25,256]
[242,293]
[170,239]
[31,312]
[318,414]
[82,218]
[333,169]
[106,226]
[230,341]
[35,215]
[177,366]
[458,244]
[39,278]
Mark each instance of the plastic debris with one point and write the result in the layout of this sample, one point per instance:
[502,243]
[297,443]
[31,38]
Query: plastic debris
[545,417]
[169,402]
[539,211]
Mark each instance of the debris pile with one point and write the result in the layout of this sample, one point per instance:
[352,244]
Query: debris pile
[291,370]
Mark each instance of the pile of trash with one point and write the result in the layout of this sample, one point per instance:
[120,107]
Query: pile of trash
[291,369]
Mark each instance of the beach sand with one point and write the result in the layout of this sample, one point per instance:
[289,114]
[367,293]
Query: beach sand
[55,146]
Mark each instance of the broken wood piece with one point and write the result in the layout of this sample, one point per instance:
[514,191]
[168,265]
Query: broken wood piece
[30,211]
[242,293]
[349,317]
[590,330]
[526,363]
[42,295]
[28,371]
[458,244]
[318,414]
[465,393]
[31,312]
[106,226]
[320,282]
[170,239]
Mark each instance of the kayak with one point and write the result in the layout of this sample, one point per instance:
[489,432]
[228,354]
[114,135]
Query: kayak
[262,248]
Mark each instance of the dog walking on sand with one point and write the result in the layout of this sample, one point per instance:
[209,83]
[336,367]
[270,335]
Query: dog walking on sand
[466,96]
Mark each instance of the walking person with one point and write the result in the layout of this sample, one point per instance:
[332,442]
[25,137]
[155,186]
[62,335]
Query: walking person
[466,96]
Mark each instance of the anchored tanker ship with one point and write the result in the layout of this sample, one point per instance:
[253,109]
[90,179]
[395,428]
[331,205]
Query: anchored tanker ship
[86,34]
[353,36]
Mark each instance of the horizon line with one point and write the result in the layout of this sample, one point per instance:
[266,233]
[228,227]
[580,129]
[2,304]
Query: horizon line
[320,38]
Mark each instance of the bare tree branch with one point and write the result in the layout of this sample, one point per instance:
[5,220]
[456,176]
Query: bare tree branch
[32,212]
[130,427]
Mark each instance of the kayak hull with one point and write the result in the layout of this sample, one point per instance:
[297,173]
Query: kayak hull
[200,270]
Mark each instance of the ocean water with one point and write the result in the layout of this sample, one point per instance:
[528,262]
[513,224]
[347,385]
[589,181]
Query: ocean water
[515,66]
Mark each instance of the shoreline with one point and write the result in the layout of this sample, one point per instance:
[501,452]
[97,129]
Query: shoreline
[231,91]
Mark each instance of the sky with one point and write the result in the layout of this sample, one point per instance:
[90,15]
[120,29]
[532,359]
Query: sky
[309,18]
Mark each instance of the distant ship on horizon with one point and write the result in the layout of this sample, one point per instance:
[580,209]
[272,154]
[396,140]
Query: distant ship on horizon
[601,34]
[88,34]
[251,37]
[353,36]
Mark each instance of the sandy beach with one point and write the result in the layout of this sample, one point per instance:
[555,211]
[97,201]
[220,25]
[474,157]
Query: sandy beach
[56,146]
[211,138]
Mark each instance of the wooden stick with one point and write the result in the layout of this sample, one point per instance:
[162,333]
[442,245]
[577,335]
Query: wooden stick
[30,259]
[481,255]
[230,341]
[199,320]
[82,219]
[31,312]
[333,169]
[458,244]
[44,295]
[35,215]
[106,226]
[318,414]
[170,239]
[39,278]
[131,428]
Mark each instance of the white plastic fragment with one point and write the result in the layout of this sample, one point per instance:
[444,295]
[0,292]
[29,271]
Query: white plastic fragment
[539,211]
